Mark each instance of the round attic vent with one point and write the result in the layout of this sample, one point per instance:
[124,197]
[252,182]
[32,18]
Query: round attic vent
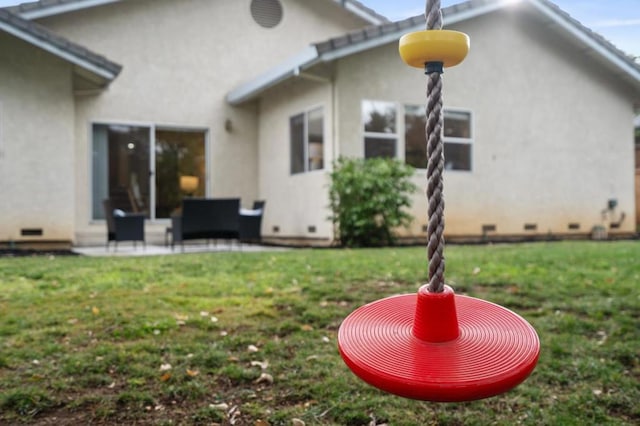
[267,13]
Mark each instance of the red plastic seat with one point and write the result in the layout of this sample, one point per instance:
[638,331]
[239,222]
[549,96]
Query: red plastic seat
[410,345]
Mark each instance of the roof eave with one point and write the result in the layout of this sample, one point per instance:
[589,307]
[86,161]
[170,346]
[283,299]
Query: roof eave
[248,91]
[583,37]
[44,12]
[102,73]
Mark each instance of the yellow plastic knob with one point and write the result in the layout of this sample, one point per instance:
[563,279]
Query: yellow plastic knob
[421,47]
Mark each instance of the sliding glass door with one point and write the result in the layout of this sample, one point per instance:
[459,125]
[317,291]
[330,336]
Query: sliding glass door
[180,169]
[144,169]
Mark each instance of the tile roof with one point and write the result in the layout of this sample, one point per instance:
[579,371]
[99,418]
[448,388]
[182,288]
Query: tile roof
[60,46]
[373,32]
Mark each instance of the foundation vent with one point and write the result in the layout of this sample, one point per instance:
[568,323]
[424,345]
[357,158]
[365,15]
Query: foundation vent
[574,226]
[530,227]
[31,232]
[488,228]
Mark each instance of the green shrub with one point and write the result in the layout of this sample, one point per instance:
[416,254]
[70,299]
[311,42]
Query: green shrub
[369,199]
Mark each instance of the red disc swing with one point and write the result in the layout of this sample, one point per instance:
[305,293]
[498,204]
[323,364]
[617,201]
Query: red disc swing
[436,345]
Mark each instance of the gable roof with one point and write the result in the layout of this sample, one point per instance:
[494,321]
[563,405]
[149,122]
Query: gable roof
[44,8]
[375,36]
[91,66]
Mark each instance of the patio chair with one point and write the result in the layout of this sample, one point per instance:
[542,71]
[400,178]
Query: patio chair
[251,223]
[123,226]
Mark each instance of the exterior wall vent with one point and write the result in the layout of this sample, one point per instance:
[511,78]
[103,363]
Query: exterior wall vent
[574,226]
[275,229]
[488,228]
[31,232]
[266,13]
[530,227]
[311,229]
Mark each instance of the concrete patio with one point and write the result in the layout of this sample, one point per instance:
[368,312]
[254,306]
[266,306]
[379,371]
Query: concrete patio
[128,249]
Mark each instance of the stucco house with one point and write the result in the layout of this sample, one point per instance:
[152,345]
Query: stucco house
[256,98]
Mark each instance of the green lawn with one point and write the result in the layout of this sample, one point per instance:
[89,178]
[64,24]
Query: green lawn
[250,338]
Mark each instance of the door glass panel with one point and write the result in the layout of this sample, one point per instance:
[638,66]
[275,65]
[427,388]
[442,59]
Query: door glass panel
[180,169]
[121,168]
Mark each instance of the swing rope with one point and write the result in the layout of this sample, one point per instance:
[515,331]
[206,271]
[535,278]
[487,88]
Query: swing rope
[435,160]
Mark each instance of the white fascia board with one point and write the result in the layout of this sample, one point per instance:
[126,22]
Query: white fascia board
[588,40]
[395,36]
[63,8]
[362,13]
[57,51]
[289,68]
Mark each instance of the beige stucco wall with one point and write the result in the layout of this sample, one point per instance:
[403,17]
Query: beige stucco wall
[180,60]
[299,201]
[36,143]
[553,136]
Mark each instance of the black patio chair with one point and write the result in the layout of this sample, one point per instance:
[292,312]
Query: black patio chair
[251,223]
[123,226]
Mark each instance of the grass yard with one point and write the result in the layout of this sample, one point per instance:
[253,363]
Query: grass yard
[250,338]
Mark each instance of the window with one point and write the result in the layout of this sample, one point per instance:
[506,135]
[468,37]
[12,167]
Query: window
[415,139]
[307,141]
[380,137]
[456,138]
[146,170]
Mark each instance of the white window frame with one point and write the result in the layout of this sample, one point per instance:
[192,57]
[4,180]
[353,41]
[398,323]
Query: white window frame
[462,141]
[305,145]
[445,139]
[399,127]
